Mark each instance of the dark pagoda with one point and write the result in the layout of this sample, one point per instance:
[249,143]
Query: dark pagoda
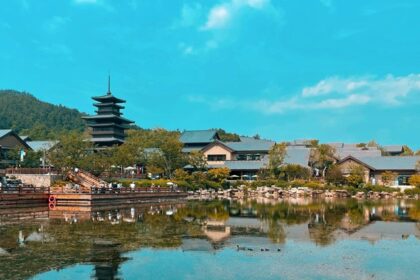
[108,126]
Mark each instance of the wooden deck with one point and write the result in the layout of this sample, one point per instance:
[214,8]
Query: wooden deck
[23,196]
[96,199]
[27,196]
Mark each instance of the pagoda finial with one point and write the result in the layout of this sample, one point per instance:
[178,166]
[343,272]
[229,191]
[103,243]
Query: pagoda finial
[109,84]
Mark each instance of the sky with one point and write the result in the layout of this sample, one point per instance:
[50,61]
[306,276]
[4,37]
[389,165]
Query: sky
[325,69]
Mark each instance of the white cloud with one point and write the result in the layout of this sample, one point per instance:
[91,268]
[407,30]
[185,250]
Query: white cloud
[390,90]
[338,93]
[219,16]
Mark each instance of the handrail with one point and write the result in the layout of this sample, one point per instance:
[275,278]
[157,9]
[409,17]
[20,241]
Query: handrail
[23,189]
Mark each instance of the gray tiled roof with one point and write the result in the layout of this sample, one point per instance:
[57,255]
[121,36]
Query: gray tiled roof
[342,153]
[3,132]
[198,136]
[393,148]
[391,162]
[191,149]
[41,145]
[295,155]
[250,145]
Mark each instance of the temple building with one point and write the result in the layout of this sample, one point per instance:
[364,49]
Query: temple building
[108,126]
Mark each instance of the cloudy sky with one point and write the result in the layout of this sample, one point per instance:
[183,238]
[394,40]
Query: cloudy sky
[326,69]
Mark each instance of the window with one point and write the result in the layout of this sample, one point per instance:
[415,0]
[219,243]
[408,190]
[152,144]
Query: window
[248,157]
[403,180]
[216,157]
[241,157]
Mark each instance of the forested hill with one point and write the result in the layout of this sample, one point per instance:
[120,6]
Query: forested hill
[40,120]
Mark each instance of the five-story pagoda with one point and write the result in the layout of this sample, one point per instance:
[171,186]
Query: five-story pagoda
[108,126]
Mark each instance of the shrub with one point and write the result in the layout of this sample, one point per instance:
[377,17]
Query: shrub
[218,174]
[415,191]
[335,176]
[297,183]
[313,185]
[414,180]
[376,188]
[388,177]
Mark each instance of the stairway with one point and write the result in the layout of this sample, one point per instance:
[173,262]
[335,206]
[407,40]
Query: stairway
[86,180]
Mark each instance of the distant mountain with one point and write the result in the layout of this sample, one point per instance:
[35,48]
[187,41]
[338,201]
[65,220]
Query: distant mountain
[40,120]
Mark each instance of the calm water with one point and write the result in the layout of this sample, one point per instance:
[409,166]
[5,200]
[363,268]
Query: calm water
[295,239]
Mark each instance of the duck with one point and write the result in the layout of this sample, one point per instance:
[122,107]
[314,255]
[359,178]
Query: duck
[240,248]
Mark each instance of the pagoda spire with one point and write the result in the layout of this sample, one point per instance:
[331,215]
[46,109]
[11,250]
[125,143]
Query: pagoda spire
[109,84]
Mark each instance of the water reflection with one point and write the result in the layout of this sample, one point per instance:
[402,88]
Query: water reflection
[37,240]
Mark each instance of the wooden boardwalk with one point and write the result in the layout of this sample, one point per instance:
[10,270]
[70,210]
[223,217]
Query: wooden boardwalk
[123,197]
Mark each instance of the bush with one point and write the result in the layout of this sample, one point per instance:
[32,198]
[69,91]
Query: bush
[313,185]
[376,188]
[415,191]
[297,183]
[335,176]
[414,180]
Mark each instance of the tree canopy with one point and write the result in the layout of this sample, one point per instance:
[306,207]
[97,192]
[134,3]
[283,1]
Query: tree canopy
[27,115]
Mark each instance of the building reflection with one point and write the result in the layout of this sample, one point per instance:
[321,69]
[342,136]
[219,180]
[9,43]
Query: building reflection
[102,236]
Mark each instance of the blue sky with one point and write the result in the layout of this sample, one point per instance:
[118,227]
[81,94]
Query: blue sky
[326,69]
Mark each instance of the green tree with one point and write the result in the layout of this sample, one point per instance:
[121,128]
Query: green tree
[372,144]
[218,174]
[197,160]
[335,176]
[407,151]
[181,175]
[322,157]
[276,157]
[226,136]
[414,180]
[356,177]
[71,151]
[32,159]
[388,177]
[295,171]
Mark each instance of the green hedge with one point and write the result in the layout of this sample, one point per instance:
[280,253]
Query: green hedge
[412,191]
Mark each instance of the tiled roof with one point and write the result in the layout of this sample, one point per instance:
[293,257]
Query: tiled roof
[342,153]
[25,138]
[4,132]
[198,136]
[391,162]
[191,149]
[41,145]
[295,155]
[393,148]
[250,145]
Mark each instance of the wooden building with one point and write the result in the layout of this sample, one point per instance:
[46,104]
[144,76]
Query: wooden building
[108,126]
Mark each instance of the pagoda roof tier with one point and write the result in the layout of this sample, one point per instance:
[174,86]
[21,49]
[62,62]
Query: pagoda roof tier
[104,117]
[107,139]
[110,104]
[109,125]
[108,98]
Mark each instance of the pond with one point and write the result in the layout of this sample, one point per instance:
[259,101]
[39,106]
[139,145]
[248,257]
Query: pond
[216,239]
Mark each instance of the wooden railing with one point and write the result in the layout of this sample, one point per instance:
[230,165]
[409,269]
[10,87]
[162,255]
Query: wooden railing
[134,190]
[23,189]
[36,171]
